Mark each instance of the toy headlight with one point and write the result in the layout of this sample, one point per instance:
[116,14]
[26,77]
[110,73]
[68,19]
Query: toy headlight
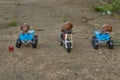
[69,37]
[107,32]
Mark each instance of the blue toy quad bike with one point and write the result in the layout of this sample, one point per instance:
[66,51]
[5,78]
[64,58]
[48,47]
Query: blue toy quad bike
[67,40]
[100,39]
[27,38]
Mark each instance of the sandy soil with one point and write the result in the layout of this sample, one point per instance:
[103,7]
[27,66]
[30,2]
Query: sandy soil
[50,61]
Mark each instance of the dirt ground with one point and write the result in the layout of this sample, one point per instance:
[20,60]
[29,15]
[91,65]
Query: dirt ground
[50,61]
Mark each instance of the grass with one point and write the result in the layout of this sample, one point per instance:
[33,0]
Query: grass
[65,19]
[112,7]
[13,23]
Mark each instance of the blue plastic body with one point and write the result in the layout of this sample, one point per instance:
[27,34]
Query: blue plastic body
[27,36]
[104,37]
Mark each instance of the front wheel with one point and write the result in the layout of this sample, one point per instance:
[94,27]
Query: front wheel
[68,50]
[18,43]
[95,42]
[69,47]
[36,38]
[35,41]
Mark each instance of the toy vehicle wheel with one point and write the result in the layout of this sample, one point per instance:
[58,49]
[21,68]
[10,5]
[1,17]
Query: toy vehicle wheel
[69,47]
[36,37]
[111,44]
[95,46]
[68,50]
[18,43]
[95,43]
[93,39]
[61,36]
[35,41]
[61,43]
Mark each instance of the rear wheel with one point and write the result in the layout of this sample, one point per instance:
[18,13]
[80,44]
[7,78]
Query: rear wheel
[18,43]
[111,44]
[61,39]
[61,43]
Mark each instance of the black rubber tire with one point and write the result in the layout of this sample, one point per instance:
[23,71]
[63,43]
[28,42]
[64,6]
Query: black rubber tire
[62,36]
[95,43]
[34,44]
[36,37]
[61,39]
[68,50]
[111,44]
[69,47]
[93,39]
[61,43]
[35,41]
[18,43]
[95,46]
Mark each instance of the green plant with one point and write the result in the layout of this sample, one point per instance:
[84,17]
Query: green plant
[112,7]
[65,19]
[13,23]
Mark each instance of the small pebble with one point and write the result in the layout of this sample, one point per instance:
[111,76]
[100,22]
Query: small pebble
[76,73]
[100,52]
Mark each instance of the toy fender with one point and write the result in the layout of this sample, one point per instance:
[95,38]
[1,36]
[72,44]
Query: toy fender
[26,36]
[102,37]
[68,39]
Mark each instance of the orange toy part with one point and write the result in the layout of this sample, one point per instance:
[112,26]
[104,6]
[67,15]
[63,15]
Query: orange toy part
[67,26]
[105,28]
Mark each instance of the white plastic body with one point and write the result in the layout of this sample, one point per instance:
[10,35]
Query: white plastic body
[65,41]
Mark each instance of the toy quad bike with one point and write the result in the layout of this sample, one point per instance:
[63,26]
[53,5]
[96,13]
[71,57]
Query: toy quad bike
[27,38]
[102,38]
[66,40]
